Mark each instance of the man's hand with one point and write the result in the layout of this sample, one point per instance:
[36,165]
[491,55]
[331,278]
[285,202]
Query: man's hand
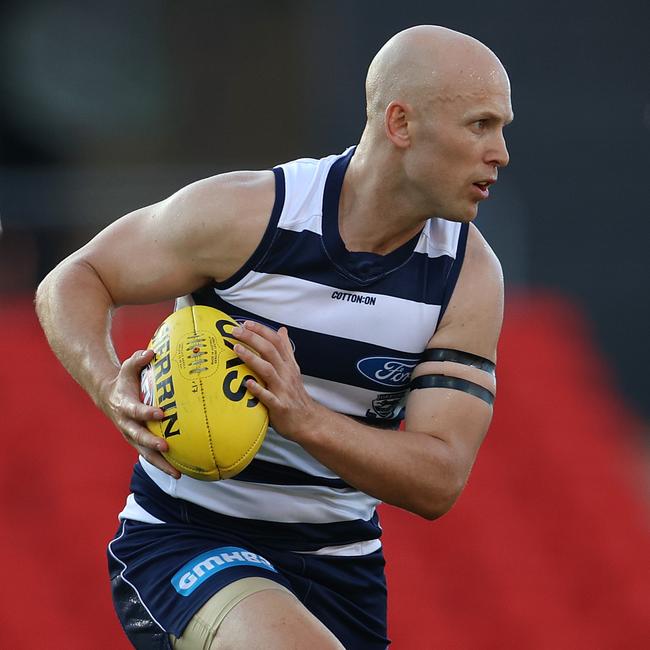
[120,400]
[291,410]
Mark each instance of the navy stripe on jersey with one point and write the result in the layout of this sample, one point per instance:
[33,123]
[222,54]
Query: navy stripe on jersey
[261,471]
[300,255]
[322,355]
[267,238]
[450,283]
[297,537]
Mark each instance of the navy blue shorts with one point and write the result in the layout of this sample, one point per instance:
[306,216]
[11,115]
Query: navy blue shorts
[162,574]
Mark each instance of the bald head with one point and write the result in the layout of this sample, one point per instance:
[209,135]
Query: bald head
[429,63]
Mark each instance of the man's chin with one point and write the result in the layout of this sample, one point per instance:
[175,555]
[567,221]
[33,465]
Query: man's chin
[462,216]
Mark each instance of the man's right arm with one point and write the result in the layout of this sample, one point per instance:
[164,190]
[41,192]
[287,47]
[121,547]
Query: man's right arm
[205,231]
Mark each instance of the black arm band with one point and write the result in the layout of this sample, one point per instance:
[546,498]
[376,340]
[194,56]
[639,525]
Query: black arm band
[458,356]
[443,381]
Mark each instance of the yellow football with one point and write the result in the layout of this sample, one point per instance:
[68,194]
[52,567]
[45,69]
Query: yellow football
[212,423]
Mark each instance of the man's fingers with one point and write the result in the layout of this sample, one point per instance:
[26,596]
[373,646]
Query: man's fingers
[158,460]
[262,339]
[140,358]
[263,394]
[142,412]
[130,372]
[257,364]
[256,335]
[150,447]
[123,405]
[287,345]
[140,436]
[129,414]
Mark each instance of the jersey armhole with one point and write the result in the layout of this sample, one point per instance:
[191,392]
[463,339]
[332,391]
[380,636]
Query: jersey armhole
[267,237]
[454,271]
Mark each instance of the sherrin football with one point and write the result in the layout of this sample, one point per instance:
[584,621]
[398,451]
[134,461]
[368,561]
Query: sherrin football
[212,423]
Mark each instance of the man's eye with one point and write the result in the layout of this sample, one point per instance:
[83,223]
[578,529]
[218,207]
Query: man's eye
[480,124]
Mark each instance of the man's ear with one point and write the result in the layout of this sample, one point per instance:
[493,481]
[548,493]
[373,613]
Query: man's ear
[396,123]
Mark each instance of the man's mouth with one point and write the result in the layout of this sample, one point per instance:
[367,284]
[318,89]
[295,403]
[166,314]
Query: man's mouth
[482,188]
[483,185]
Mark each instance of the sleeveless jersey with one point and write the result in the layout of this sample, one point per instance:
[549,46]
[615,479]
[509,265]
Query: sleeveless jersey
[358,323]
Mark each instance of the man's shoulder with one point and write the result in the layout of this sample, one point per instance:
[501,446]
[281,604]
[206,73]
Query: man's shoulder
[472,321]
[238,201]
[225,192]
[481,254]
[220,220]
[313,162]
[301,169]
[481,278]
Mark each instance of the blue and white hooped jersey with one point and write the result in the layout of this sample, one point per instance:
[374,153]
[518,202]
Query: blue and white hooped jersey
[359,323]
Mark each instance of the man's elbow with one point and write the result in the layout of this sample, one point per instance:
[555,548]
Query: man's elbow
[56,285]
[41,297]
[47,289]
[440,501]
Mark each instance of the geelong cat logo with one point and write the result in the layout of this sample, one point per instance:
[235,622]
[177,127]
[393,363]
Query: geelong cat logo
[387,371]
[198,570]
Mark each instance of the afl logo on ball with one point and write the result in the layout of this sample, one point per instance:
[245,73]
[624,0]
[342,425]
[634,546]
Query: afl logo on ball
[387,371]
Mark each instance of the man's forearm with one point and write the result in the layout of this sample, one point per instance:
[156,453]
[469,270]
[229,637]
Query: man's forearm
[422,469]
[74,308]
[410,469]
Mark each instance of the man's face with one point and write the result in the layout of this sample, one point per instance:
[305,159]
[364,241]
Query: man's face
[458,146]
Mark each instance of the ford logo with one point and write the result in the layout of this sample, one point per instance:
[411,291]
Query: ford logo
[387,371]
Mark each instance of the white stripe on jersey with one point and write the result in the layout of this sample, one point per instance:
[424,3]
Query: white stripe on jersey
[304,184]
[268,295]
[290,504]
[347,550]
[133,510]
[439,237]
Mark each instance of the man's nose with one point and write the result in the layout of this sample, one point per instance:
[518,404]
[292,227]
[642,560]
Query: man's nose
[498,155]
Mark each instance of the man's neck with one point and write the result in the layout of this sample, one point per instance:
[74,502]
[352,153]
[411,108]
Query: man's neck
[373,213]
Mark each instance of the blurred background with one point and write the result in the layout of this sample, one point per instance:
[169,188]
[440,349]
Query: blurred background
[105,107]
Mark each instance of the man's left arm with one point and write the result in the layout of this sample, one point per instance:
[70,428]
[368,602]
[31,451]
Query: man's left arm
[424,467]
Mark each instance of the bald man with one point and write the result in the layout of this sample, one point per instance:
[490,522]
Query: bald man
[371,302]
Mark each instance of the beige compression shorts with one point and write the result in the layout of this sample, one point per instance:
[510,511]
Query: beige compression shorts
[203,626]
